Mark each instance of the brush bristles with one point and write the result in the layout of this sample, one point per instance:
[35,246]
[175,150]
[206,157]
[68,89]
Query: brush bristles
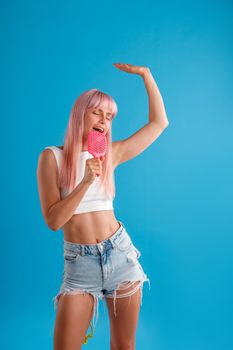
[96,143]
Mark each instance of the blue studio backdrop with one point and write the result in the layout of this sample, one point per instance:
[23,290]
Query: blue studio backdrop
[175,198]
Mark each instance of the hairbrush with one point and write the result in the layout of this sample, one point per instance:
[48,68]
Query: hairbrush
[96,143]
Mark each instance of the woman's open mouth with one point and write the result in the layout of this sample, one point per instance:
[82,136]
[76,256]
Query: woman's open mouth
[98,129]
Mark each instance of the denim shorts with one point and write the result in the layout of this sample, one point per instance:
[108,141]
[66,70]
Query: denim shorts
[101,269]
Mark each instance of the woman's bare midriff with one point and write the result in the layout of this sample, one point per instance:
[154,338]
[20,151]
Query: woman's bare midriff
[91,228]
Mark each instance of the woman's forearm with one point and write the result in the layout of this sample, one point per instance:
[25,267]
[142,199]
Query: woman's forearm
[157,113]
[63,210]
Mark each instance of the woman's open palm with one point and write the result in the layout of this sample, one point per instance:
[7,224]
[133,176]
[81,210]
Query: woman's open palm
[129,68]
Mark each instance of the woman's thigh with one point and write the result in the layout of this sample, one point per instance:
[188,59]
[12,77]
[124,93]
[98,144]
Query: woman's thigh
[123,291]
[123,325]
[77,300]
[73,316]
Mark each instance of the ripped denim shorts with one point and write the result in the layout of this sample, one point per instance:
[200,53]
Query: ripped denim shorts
[101,269]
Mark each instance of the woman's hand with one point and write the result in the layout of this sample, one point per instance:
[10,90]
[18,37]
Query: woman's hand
[129,68]
[93,168]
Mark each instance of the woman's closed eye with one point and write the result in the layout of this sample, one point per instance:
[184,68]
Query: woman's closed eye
[109,118]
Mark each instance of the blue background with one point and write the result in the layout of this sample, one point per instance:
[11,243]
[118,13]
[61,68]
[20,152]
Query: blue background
[175,198]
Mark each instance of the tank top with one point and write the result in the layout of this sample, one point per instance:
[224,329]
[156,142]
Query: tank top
[95,198]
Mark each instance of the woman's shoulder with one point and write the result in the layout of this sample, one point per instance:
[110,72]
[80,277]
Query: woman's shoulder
[56,151]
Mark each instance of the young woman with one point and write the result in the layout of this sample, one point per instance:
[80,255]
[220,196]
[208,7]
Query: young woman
[76,192]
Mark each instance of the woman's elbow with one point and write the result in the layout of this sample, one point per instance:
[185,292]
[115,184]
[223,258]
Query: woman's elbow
[51,224]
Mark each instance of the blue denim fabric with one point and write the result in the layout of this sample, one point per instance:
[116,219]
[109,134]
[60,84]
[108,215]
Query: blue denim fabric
[100,269]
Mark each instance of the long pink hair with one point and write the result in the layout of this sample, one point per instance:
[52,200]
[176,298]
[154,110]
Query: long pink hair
[72,148]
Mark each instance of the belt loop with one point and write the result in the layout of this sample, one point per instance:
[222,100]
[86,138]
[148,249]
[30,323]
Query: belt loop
[112,243]
[123,226]
[82,249]
[113,239]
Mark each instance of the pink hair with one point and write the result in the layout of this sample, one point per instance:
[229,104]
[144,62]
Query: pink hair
[93,98]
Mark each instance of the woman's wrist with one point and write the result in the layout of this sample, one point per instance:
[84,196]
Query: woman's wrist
[84,183]
[146,73]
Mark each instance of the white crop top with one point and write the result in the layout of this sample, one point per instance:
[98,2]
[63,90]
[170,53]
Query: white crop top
[95,198]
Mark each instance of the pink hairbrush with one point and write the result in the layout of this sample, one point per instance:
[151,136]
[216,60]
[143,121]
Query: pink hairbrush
[96,143]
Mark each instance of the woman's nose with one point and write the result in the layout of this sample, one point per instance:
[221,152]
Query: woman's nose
[102,121]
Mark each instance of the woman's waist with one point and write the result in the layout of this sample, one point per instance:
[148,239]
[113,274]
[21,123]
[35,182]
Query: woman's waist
[91,227]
